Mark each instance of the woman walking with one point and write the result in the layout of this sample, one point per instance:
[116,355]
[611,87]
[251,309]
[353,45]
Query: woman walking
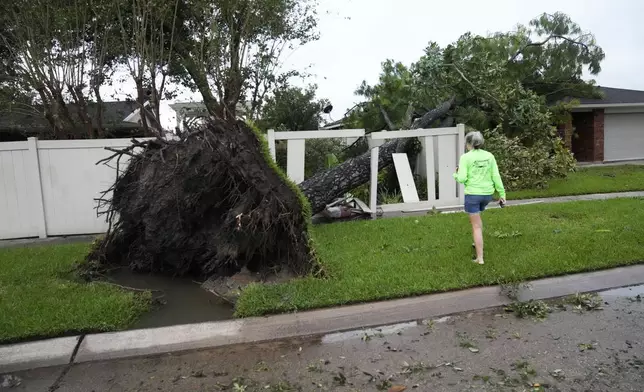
[478,171]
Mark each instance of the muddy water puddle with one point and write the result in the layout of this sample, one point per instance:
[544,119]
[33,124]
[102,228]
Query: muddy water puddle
[177,300]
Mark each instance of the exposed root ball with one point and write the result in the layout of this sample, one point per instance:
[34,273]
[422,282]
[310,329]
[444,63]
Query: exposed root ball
[207,205]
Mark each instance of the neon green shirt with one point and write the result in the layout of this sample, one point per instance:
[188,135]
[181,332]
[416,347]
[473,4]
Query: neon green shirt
[478,171]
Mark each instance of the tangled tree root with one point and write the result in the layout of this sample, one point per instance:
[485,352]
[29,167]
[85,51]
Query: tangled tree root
[207,205]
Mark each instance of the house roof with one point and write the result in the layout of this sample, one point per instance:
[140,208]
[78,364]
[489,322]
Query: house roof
[334,124]
[615,96]
[31,118]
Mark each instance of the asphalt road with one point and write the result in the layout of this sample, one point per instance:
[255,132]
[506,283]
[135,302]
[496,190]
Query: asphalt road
[492,350]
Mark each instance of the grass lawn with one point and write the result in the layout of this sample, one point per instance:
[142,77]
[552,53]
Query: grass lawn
[40,298]
[391,258]
[602,179]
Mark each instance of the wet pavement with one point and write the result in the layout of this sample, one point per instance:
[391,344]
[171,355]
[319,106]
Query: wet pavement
[570,350]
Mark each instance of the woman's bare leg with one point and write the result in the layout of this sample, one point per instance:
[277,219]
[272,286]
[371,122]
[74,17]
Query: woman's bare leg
[477,235]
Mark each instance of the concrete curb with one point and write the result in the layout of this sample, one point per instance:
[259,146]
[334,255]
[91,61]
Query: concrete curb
[179,338]
[44,353]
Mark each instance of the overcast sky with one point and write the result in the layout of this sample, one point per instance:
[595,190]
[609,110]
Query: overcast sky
[357,35]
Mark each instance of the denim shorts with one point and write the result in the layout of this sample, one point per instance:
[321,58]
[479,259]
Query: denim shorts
[475,204]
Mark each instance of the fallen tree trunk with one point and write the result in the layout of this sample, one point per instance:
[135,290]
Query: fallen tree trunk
[327,186]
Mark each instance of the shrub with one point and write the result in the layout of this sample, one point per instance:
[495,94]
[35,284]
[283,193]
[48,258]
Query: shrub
[529,166]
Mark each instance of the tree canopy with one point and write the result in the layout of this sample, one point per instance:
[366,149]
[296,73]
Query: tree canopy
[228,50]
[292,109]
[510,85]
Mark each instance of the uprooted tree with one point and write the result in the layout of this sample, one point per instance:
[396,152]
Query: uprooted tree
[212,202]
[208,204]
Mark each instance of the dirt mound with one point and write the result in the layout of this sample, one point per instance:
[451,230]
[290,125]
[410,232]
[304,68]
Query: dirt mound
[207,205]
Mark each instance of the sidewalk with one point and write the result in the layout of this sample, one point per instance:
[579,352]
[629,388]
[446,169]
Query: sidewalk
[598,350]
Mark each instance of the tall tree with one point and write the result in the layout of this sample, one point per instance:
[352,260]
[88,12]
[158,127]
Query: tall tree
[292,109]
[230,48]
[52,52]
[147,31]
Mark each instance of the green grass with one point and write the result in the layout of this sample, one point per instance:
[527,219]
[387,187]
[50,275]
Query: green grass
[39,296]
[392,258]
[603,179]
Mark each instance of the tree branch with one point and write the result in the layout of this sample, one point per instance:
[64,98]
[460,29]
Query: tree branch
[576,42]
[390,125]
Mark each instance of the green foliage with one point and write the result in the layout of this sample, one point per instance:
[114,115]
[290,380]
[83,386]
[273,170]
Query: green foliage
[292,109]
[530,167]
[506,84]
[296,109]
[238,45]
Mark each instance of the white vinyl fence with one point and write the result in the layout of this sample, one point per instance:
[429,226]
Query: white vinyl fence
[441,150]
[47,188]
[295,146]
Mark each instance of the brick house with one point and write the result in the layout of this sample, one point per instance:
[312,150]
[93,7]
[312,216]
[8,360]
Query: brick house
[610,129]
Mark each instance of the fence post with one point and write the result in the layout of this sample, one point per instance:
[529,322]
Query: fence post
[460,149]
[295,159]
[430,168]
[374,146]
[270,139]
[36,187]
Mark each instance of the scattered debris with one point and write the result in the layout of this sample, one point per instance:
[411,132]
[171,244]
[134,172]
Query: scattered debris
[524,369]
[417,367]
[314,368]
[501,235]
[491,334]
[340,379]
[586,346]
[397,388]
[237,387]
[481,378]
[588,302]
[558,374]
[473,349]
[262,367]
[346,208]
[10,381]
[532,308]
[383,385]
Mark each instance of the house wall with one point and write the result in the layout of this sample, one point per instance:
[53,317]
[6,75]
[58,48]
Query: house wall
[608,135]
